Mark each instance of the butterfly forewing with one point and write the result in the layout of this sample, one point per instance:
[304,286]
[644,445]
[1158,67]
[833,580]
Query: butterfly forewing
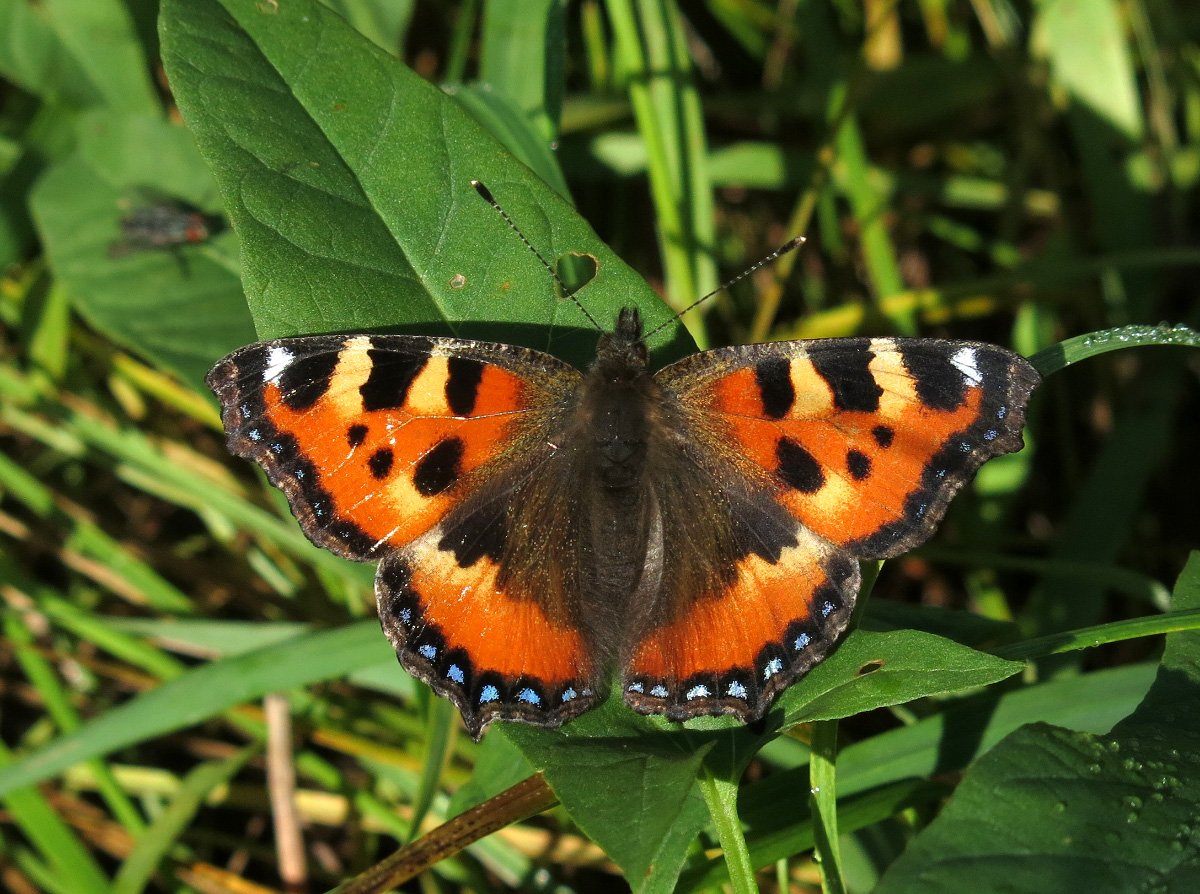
[375,438]
[865,440]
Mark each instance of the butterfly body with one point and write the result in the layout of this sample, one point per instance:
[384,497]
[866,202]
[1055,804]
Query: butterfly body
[694,531]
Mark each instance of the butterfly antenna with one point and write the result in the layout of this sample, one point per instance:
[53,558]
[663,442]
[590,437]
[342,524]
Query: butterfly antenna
[487,196]
[792,245]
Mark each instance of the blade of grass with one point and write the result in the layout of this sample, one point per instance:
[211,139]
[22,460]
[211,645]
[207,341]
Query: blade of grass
[58,705]
[1092,344]
[1099,635]
[126,574]
[652,51]
[203,693]
[523,55]
[439,737]
[858,813]
[71,865]
[822,769]
[460,41]
[145,465]
[152,847]
[869,207]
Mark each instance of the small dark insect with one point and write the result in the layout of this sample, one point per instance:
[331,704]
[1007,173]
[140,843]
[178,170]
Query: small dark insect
[164,225]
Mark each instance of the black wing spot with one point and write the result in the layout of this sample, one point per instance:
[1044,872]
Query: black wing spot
[462,384]
[798,468]
[439,468]
[392,374]
[846,371]
[883,435]
[859,464]
[939,384]
[380,462]
[775,386]
[305,380]
[479,535]
[356,434]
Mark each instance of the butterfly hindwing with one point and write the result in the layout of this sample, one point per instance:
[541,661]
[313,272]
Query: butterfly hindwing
[498,654]
[486,607]
[733,647]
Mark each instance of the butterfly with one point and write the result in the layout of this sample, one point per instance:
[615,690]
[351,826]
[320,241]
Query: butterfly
[695,530]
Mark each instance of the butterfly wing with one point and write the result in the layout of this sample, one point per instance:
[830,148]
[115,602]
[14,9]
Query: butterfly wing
[411,449]
[831,450]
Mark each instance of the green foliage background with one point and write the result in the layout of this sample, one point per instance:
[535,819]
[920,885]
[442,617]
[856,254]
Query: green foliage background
[1019,172]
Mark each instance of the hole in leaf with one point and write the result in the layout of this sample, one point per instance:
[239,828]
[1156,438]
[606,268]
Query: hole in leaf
[576,270]
[870,667]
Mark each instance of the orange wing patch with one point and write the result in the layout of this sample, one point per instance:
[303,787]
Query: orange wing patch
[496,655]
[732,651]
[867,440]
[371,437]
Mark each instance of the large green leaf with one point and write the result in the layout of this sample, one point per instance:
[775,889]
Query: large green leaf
[650,826]
[652,761]
[1054,809]
[348,179]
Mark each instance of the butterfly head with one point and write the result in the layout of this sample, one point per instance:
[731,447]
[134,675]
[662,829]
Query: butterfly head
[622,352]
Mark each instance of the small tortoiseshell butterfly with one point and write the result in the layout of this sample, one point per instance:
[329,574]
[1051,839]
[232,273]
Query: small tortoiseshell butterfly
[696,528]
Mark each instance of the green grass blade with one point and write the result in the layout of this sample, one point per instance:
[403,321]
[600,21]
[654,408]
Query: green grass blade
[58,705]
[652,50]
[523,55]
[1081,347]
[822,775]
[439,732]
[205,692]
[151,848]
[1102,634]
[70,863]
[870,209]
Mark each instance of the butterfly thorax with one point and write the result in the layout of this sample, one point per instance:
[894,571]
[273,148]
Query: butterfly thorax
[616,402]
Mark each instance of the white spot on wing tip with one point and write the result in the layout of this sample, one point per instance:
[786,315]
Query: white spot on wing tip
[278,359]
[966,361]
